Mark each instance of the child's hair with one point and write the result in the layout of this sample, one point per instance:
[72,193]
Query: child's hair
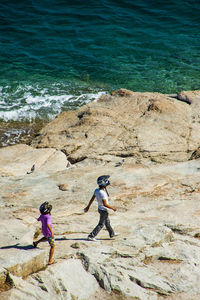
[50,208]
[45,208]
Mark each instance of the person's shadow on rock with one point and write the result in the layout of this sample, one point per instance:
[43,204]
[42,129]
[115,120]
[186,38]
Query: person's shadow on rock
[18,246]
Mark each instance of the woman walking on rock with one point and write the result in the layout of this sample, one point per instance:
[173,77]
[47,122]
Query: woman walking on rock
[101,196]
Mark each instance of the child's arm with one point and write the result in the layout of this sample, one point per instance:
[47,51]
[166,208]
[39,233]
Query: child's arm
[108,206]
[50,230]
[88,206]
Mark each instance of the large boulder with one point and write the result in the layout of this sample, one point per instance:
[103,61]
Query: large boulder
[142,126]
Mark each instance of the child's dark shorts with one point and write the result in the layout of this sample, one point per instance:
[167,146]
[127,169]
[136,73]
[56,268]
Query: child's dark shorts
[50,240]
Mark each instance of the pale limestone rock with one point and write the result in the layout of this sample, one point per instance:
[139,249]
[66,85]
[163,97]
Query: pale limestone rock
[176,251]
[146,277]
[23,290]
[67,280]
[17,255]
[125,284]
[158,212]
[156,236]
[23,262]
[189,96]
[127,279]
[69,277]
[15,232]
[18,160]
[127,124]
[187,279]
[193,97]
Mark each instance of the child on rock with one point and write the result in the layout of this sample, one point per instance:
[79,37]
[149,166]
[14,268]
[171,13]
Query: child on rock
[45,218]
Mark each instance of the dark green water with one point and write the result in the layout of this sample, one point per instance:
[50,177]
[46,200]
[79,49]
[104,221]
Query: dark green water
[57,55]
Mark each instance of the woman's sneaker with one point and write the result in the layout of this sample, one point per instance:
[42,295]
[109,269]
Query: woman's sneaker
[91,238]
[115,234]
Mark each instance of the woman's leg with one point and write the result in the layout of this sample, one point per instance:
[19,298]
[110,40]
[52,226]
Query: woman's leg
[103,216]
[108,227]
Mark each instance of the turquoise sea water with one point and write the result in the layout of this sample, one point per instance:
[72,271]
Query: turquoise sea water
[57,55]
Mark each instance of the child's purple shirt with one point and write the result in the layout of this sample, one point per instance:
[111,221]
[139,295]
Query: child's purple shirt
[46,220]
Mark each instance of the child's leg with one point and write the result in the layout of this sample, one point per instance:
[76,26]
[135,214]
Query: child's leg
[51,252]
[43,239]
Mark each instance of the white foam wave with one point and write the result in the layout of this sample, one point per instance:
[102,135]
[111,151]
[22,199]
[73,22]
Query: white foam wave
[42,106]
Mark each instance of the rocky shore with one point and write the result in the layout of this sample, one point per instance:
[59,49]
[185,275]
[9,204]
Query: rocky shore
[149,144]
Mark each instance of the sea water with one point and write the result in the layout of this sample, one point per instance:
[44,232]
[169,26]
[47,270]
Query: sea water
[57,55]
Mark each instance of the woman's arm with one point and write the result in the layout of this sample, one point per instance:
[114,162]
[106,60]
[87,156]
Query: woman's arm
[107,205]
[88,206]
